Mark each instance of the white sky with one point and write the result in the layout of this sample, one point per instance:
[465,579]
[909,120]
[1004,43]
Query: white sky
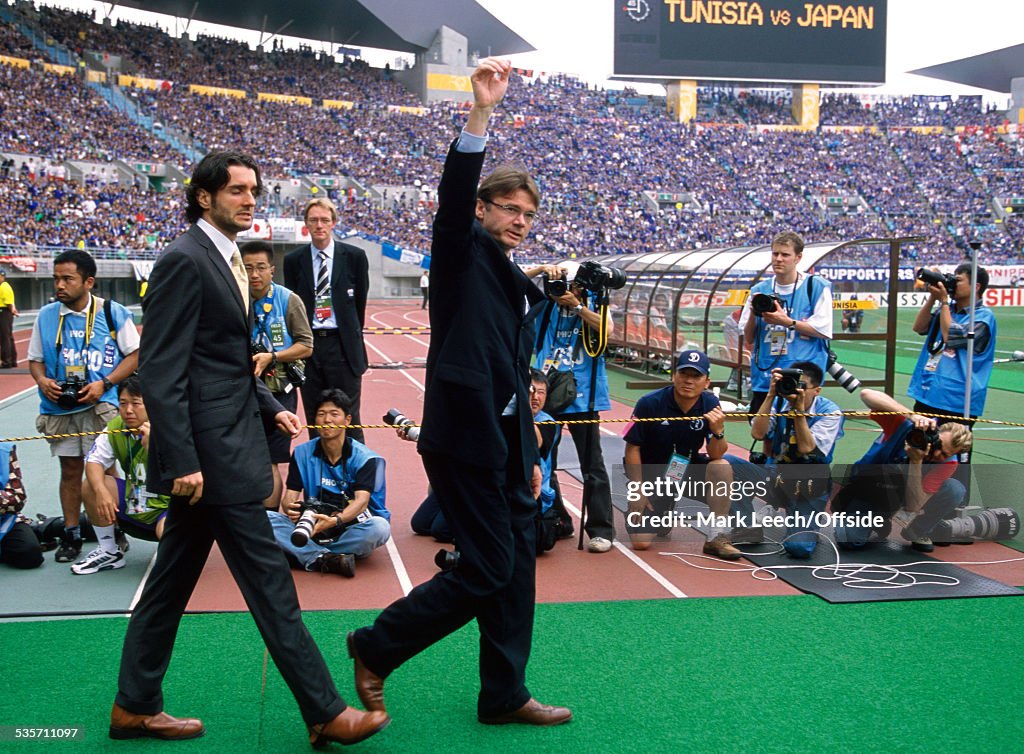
[575,36]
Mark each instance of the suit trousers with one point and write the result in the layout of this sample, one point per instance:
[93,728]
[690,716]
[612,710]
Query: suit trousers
[597,489]
[328,368]
[243,533]
[8,351]
[490,512]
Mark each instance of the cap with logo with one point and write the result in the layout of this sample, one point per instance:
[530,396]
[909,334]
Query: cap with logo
[694,359]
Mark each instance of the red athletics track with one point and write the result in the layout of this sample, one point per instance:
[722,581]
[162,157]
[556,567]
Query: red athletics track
[563,575]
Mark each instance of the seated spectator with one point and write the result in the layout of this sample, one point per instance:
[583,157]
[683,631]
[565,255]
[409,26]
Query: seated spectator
[904,471]
[797,452]
[653,449]
[123,501]
[339,468]
[19,546]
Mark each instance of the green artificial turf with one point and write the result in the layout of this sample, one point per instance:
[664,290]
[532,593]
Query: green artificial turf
[767,674]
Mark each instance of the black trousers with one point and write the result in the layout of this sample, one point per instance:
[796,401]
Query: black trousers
[8,352]
[426,296]
[490,512]
[328,368]
[258,565]
[597,490]
[20,548]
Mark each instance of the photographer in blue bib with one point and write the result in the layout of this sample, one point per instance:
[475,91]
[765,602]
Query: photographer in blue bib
[787,318]
[81,347]
[572,333]
[281,339]
[333,503]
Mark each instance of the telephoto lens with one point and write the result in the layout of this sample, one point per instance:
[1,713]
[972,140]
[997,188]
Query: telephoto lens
[304,528]
[989,524]
[840,374]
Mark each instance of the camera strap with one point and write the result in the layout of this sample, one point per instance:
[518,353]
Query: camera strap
[935,342]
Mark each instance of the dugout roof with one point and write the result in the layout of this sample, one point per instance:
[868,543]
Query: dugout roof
[387,24]
[990,70]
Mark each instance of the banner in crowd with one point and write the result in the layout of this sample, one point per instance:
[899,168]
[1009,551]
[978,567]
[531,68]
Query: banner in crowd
[138,82]
[407,109]
[850,129]
[338,104]
[22,264]
[289,99]
[60,70]
[216,91]
[407,256]
[96,77]
[446,82]
[14,62]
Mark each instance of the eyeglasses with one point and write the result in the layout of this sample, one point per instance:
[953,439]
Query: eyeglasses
[319,221]
[513,211]
[260,268]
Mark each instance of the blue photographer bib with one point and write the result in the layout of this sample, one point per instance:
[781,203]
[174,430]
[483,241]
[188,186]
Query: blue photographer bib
[776,346]
[317,474]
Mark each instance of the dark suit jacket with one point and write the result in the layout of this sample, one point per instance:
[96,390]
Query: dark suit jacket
[349,273]
[480,334]
[203,402]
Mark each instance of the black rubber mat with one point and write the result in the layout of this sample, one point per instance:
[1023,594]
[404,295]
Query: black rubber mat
[848,583]
[612,448]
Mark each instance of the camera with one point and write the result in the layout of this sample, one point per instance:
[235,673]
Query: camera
[555,287]
[762,303]
[790,381]
[295,371]
[840,374]
[931,277]
[327,504]
[923,439]
[447,560]
[596,277]
[396,418]
[69,392]
[758,458]
[989,524]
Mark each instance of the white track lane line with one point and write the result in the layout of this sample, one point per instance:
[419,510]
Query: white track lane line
[142,584]
[642,565]
[665,583]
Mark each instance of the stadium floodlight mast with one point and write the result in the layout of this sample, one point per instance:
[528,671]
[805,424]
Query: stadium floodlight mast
[975,246]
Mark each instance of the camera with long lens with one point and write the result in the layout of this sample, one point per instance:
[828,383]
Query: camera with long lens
[69,389]
[931,277]
[989,524]
[555,287]
[923,439]
[396,418]
[840,374]
[790,382]
[327,504]
[596,277]
[762,303]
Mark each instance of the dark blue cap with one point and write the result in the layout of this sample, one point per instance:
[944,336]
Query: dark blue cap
[694,360]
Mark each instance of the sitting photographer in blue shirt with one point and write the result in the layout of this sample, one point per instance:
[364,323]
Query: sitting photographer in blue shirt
[343,516]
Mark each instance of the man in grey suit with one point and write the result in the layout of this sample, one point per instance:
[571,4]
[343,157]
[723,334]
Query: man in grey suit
[207,451]
[332,279]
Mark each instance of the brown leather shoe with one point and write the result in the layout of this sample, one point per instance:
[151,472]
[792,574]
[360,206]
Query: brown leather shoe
[349,727]
[369,685]
[531,713]
[125,724]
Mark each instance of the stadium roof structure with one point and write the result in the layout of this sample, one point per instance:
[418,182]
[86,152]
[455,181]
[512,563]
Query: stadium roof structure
[991,70]
[386,24]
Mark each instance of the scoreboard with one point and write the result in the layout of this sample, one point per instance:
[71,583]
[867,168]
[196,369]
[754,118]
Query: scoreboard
[771,40]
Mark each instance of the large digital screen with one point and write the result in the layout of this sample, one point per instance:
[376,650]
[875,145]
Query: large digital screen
[773,40]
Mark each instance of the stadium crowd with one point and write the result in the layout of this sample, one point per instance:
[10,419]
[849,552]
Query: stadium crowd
[744,183]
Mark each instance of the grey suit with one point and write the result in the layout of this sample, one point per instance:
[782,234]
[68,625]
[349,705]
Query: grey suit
[204,406]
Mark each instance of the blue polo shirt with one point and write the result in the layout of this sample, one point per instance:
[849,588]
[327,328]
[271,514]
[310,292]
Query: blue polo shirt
[659,440]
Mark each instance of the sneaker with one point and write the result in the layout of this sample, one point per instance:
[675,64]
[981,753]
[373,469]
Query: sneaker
[343,564]
[98,560]
[722,548]
[122,541]
[599,544]
[69,549]
[917,541]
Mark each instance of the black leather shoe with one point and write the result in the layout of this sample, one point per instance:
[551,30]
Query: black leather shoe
[349,727]
[343,564]
[369,685]
[531,713]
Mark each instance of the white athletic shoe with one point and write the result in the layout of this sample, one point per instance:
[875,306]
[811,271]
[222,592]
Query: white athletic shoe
[599,544]
[98,560]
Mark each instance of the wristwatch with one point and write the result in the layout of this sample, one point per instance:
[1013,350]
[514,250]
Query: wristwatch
[718,435]
[107,384]
[577,309]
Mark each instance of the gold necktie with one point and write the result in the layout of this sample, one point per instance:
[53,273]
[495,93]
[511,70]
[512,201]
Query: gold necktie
[238,270]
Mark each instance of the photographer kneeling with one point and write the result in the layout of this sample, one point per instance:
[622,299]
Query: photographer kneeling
[343,516]
[797,450]
[910,466]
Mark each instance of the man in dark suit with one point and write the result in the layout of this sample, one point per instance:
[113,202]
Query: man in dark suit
[207,450]
[478,444]
[332,279]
